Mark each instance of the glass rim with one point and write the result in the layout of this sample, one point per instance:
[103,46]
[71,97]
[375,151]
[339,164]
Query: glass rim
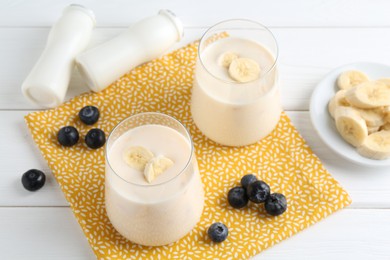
[202,39]
[189,161]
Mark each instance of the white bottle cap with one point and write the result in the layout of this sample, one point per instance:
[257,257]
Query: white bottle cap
[84,9]
[176,21]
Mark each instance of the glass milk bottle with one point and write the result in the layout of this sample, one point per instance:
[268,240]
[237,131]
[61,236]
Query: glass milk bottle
[235,96]
[48,81]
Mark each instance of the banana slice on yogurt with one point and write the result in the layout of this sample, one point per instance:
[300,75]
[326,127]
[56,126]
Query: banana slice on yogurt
[156,166]
[226,58]
[137,157]
[244,70]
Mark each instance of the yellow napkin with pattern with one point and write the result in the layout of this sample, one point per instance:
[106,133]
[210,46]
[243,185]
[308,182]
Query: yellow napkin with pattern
[164,85]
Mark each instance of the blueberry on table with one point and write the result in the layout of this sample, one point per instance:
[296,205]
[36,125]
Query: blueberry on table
[68,136]
[258,191]
[218,232]
[237,197]
[248,179]
[95,138]
[89,115]
[33,180]
[276,204]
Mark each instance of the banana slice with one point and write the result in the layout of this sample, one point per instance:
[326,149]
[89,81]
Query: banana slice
[385,127]
[226,58]
[137,157]
[376,146]
[372,129]
[351,78]
[351,125]
[156,166]
[373,117]
[371,94]
[337,101]
[386,113]
[385,80]
[244,70]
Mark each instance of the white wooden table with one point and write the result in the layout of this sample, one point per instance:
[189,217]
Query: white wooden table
[314,36]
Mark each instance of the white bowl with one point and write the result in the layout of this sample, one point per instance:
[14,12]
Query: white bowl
[324,124]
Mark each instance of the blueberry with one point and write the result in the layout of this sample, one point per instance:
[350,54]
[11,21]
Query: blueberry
[248,179]
[89,115]
[95,138]
[237,197]
[276,204]
[33,179]
[218,232]
[68,136]
[258,191]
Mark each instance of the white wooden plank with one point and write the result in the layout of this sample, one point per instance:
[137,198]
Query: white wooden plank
[302,61]
[42,233]
[369,187]
[52,233]
[18,154]
[349,234]
[205,13]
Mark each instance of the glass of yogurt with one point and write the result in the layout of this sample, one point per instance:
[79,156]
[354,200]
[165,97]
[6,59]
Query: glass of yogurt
[153,191]
[235,96]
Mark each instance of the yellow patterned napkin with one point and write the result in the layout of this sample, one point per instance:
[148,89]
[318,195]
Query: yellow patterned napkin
[282,159]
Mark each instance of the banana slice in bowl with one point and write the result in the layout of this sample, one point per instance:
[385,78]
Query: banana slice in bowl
[376,146]
[338,100]
[351,126]
[351,78]
[358,125]
[370,94]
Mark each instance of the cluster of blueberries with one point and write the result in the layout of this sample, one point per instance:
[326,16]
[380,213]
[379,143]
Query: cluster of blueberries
[257,191]
[95,138]
[254,190]
[34,179]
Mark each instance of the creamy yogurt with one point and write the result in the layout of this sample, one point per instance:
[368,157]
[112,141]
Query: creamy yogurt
[165,210]
[230,112]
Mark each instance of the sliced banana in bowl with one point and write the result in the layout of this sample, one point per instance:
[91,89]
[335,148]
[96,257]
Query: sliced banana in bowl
[385,127]
[351,125]
[373,117]
[338,100]
[370,94]
[373,129]
[376,146]
[351,78]
[348,117]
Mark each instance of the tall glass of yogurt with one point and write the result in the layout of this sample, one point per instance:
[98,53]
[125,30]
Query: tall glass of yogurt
[147,209]
[235,96]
